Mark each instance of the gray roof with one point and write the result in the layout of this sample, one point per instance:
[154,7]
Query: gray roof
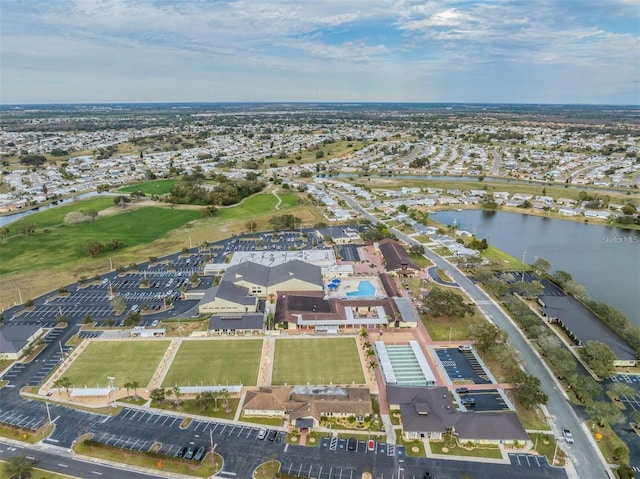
[230,292]
[238,322]
[13,337]
[584,324]
[491,426]
[426,410]
[273,275]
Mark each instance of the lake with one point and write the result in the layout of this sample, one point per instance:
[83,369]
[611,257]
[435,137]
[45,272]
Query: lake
[604,259]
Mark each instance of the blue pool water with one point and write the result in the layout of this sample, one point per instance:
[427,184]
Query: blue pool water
[365,288]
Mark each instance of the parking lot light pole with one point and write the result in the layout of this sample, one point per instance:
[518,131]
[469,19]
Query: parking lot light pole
[46,404]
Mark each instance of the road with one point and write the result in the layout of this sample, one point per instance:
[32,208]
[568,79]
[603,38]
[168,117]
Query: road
[584,454]
[497,161]
[68,465]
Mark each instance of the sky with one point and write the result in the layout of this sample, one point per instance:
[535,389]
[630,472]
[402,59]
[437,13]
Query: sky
[481,51]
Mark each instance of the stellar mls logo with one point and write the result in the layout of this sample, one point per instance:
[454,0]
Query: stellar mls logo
[621,239]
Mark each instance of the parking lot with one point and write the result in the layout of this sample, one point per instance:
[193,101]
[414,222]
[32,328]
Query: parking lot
[528,460]
[23,421]
[340,444]
[487,400]
[299,469]
[463,366]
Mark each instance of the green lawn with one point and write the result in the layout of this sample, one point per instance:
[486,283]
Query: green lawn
[258,205]
[216,362]
[66,243]
[157,187]
[55,216]
[317,361]
[126,361]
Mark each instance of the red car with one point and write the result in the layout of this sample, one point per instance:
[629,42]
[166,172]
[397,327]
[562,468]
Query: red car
[371,445]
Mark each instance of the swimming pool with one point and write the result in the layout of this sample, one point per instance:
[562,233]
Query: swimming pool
[365,288]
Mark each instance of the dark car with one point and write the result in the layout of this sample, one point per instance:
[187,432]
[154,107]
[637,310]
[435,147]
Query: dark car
[462,390]
[273,435]
[189,454]
[199,454]
[182,451]
[351,444]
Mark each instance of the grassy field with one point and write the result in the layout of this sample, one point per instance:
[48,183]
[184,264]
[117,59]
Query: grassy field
[127,361]
[55,216]
[157,187]
[65,243]
[317,361]
[64,270]
[215,362]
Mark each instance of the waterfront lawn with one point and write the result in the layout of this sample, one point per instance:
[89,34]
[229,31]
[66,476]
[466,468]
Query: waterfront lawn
[55,216]
[66,243]
[126,361]
[317,361]
[157,187]
[216,362]
[501,260]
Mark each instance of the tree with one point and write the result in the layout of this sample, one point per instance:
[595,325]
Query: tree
[132,319]
[94,248]
[605,412]
[561,277]
[528,289]
[541,267]
[528,390]
[4,234]
[63,382]
[548,343]
[134,386]
[128,386]
[27,230]
[575,289]
[563,362]
[621,389]
[177,394]
[599,358]
[60,318]
[251,226]
[443,302]
[225,395]
[584,387]
[118,304]
[157,395]
[486,335]
[18,467]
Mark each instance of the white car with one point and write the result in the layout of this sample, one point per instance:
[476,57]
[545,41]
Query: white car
[567,436]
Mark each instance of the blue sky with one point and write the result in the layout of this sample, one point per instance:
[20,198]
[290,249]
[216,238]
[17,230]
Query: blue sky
[516,51]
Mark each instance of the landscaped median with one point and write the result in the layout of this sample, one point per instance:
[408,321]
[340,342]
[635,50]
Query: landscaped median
[210,465]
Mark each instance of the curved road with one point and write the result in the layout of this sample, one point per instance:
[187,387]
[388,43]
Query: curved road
[584,454]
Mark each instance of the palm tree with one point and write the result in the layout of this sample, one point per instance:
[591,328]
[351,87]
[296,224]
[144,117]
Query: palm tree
[366,345]
[225,394]
[363,333]
[128,386]
[63,382]
[18,467]
[372,365]
[134,386]
[177,394]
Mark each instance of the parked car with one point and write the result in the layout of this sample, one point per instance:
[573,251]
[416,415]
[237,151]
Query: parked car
[273,435]
[462,390]
[182,451]
[199,455]
[465,347]
[262,434]
[567,436]
[155,323]
[468,401]
[189,454]
[371,445]
[351,444]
